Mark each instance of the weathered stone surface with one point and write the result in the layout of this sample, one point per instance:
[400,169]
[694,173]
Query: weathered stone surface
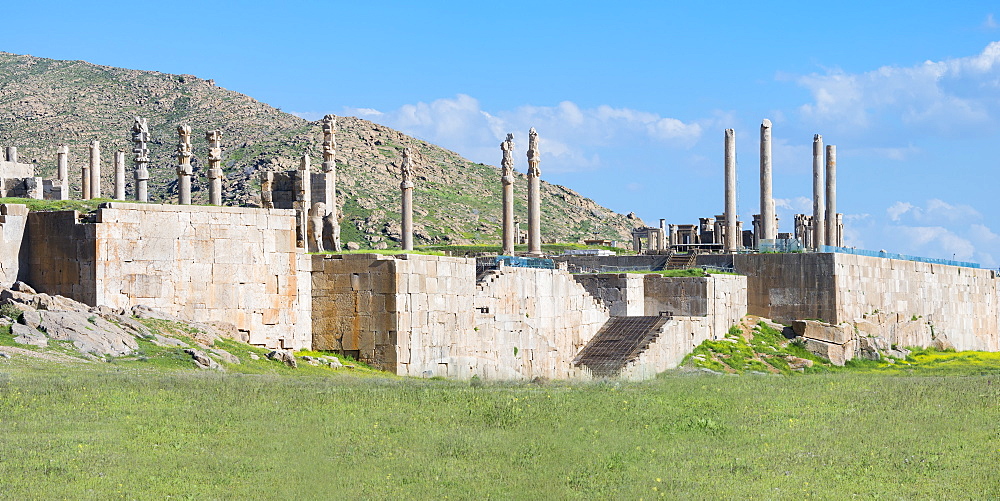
[24,334]
[41,301]
[812,329]
[20,286]
[837,354]
[202,360]
[226,357]
[89,333]
[796,363]
[31,318]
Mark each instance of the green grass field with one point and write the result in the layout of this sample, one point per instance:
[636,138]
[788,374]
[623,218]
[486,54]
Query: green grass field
[103,431]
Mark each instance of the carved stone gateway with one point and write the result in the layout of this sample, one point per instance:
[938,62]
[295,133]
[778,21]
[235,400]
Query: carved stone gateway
[507,180]
[534,196]
[140,136]
[214,138]
[407,188]
[184,165]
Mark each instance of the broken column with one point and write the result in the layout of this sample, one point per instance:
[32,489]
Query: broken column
[214,138]
[730,244]
[507,181]
[331,223]
[120,174]
[534,197]
[85,176]
[140,135]
[62,171]
[819,235]
[407,188]
[95,169]
[831,195]
[768,229]
[184,165]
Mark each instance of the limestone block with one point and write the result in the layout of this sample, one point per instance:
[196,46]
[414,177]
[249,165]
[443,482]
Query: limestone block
[811,329]
[837,354]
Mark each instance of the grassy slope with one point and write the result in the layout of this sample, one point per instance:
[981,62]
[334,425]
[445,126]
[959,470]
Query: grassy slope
[103,431]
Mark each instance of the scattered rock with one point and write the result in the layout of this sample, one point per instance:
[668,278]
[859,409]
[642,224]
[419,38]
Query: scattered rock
[353,246]
[796,363]
[4,354]
[898,353]
[159,340]
[333,362]
[709,371]
[942,344]
[254,356]
[283,356]
[202,360]
[20,286]
[24,334]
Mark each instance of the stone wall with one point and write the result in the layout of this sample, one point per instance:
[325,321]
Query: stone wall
[422,315]
[724,301]
[876,293]
[18,170]
[201,263]
[594,264]
[13,218]
[621,293]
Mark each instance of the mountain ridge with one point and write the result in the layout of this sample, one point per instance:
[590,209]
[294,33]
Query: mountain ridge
[50,102]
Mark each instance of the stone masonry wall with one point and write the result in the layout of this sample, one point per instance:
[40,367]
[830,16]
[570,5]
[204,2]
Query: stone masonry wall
[202,263]
[725,304]
[960,303]
[13,219]
[621,293]
[422,315]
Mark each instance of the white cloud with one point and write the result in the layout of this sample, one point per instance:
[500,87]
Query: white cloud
[952,95]
[990,23]
[898,209]
[570,137]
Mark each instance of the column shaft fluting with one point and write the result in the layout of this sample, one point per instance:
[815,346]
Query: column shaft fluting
[507,184]
[831,196]
[819,204]
[120,175]
[768,230]
[730,193]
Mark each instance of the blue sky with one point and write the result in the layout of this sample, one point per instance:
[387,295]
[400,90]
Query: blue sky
[630,101]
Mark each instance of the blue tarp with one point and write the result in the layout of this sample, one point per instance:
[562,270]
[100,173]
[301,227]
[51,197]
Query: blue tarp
[526,262]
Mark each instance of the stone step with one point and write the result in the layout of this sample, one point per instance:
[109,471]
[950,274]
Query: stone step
[619,341]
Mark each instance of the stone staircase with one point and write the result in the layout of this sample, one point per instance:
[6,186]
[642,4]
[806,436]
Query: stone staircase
[681,261]
[618,342]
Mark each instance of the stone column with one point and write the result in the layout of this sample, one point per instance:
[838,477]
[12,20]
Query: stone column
[507,182]
[831,195]
[214,138]
[184,165]
[730,244]
[62,171]
[140,135]
[534,197]
[302,185]
[95,169]
[661,239]
[819,234]
[331,220]
[407,188]
[12,153]
[768,230]
[120,174]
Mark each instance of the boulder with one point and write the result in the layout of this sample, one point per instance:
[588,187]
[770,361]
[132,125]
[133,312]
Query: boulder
[837,354]
[24,334]
[226,357]
[202,360]
[353,246]
[30,318]
[283,356]
[871,348]
[942,344]
[796,363]
[20,286]
[812,329]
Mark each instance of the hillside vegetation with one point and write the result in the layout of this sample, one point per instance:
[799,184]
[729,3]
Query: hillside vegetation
[48,102]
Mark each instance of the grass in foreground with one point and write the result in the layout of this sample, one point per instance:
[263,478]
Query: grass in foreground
[102,431]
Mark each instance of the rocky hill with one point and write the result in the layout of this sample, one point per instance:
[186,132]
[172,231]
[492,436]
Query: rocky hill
[47,102]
